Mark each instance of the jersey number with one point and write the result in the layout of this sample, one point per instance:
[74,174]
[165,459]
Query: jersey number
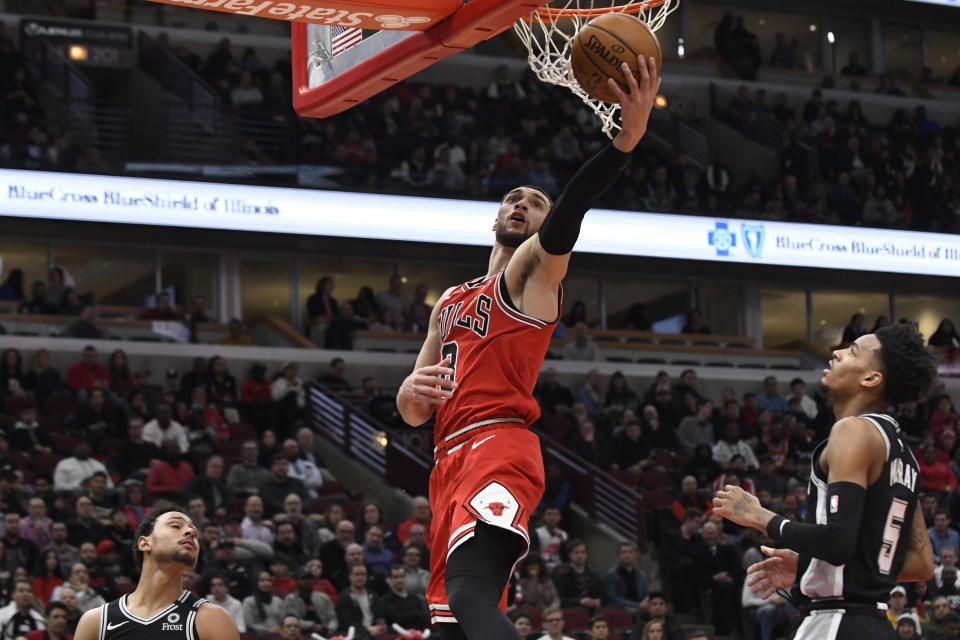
[450,349]
[891,535]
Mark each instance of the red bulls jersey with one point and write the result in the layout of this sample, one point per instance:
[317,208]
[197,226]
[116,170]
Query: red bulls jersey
[496,353]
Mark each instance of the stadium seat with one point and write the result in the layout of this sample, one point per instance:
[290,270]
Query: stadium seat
[751,365]
[618,619]
[651,361]
[241,432]
[688,363]
[65,443]
[45,463]
[625,477]
[13,404]
[61,405]
[231,448]
[657,498]
[575,620]
[51,425]
[718,364]
[656,480]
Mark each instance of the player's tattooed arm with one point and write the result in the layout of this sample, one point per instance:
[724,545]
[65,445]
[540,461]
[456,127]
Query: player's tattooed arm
[918,564]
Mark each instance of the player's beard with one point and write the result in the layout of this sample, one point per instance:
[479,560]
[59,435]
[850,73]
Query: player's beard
[184,557]
[507,238]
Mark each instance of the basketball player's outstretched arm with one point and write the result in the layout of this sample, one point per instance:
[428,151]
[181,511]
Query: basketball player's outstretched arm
[214,623]
[431,383]
[542,259]
[852,458]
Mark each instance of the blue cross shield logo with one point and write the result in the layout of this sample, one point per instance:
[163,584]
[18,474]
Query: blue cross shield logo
[722,239]
[753,236]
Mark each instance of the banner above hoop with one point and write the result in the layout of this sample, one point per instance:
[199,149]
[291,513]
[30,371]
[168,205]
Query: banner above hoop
[399,15]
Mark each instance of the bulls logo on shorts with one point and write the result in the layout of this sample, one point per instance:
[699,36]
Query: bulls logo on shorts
[496,505]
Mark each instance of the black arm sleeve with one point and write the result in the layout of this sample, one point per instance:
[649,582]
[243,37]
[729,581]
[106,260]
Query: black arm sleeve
[561,227]
[833,542]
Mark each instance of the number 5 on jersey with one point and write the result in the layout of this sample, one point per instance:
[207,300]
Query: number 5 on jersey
[891,535]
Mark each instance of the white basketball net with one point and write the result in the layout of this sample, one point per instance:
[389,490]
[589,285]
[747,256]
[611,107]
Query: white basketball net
[549,33]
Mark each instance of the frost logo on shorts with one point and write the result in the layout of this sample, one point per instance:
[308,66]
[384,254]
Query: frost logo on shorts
[496,504]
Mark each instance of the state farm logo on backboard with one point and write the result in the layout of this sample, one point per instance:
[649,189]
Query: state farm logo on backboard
[328,12]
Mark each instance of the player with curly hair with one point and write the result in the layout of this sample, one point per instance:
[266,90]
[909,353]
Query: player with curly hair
[863,529]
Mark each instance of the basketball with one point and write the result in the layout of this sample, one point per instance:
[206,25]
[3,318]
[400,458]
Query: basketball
[603,44]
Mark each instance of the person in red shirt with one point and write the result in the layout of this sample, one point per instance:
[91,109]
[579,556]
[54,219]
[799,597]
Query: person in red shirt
[944,417]
[256,388]
[88,374]
[420,515]
[169,476]
[164,309]
[48,576]
[283,583]
[56,621]
[934,474]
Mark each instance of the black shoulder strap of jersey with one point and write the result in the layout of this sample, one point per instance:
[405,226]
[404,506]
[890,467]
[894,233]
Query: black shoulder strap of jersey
[104,618]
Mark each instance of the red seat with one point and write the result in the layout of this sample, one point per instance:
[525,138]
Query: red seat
[45,463]
[61,404]
[13,404]
[625,477]
[65,443]
[330,488]
[48,424]
[618,619]
[654,498]
[656,480]
[231,448]
[575,620]
[243,432]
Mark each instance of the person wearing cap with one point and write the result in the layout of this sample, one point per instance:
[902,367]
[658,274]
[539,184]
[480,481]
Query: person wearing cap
[907,628]
[898,608]
[313,609]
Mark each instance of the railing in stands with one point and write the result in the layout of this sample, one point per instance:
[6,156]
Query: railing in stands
[367,440]
[763,128]
[682,136]
[386,452]
[606,499]
[200,99]
[75,91]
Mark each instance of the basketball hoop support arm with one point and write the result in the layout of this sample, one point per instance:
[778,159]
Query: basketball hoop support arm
[472,23]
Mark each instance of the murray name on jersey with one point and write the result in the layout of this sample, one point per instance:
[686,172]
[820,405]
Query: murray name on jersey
[901,473]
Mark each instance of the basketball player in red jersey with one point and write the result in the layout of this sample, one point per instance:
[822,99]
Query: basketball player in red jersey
[490,336]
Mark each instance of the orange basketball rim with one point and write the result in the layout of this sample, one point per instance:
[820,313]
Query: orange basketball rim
[552,14]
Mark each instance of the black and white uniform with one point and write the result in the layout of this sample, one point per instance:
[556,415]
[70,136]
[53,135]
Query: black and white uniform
[176,622]
[850,601]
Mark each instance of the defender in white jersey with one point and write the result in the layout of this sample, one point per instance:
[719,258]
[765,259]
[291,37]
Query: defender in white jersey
[166,547]
[864,529]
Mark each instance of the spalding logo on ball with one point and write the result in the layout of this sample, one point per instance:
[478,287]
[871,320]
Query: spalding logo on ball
[605,43]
